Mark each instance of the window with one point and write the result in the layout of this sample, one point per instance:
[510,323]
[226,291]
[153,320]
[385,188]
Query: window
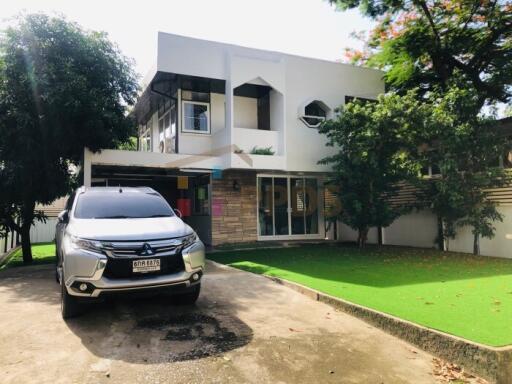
[196,117]
[314,114]
[167,131]
[431,170]
[145,137]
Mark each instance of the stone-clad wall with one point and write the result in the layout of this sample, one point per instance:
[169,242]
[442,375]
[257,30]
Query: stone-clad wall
[234,211]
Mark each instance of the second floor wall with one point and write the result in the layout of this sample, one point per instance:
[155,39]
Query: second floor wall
[260,101]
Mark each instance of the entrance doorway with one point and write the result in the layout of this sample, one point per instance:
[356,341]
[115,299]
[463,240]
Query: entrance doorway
[288,207]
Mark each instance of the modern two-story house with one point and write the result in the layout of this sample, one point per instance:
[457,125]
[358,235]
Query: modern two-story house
[229,136]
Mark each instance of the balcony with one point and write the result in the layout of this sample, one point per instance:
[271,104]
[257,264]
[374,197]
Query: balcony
[247,138]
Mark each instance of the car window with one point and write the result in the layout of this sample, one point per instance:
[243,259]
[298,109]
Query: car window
[121,205]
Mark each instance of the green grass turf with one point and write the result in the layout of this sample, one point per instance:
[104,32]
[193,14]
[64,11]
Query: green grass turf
[42,253]
[460,294]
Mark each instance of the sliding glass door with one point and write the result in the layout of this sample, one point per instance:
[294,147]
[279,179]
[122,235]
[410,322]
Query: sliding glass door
[287,206]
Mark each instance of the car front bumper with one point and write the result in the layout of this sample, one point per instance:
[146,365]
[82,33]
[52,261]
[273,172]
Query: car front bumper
[89,268]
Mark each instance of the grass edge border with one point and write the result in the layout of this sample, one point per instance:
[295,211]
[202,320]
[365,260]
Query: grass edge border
[492,363]
[4,259]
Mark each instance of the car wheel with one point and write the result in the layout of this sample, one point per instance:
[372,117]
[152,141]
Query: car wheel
[69,305]
[189,297]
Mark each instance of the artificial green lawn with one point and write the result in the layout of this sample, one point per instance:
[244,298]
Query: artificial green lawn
[460,294]
[42,253]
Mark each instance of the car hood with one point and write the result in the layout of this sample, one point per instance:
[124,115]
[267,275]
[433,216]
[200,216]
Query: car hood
[129,229]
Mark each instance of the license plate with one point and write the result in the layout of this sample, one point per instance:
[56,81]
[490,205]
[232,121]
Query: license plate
[148,265]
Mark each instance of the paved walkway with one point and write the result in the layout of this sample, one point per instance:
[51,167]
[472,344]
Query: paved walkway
[244,329]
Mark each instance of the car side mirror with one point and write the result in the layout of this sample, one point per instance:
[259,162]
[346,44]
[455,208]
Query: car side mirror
[63,217]
[178,213]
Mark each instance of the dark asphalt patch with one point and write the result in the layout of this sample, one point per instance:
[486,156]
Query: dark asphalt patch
[197,335]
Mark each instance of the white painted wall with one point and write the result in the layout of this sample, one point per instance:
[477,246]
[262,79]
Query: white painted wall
[204,144]
[296,80]
[245,111]
[500,245]
[247,138]
[346,233]
[416,229]
[330,83]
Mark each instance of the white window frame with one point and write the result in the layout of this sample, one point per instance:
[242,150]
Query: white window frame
[320,120]
[183,117]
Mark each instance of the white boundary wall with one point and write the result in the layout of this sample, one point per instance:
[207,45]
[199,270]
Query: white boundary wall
[419,229]
[43,232]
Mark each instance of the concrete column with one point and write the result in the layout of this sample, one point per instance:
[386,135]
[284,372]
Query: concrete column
[87,167]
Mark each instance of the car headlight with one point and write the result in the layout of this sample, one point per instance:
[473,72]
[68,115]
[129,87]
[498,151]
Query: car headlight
[88,245]
[189,239]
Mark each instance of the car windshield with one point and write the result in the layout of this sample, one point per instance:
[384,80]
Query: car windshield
[121,205]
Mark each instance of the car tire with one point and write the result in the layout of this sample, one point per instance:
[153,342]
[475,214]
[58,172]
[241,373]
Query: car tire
[69,305]
[188,298]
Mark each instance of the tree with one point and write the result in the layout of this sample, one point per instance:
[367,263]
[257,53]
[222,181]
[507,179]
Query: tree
[373,158]
[429,43]
[62,88]
[465,149]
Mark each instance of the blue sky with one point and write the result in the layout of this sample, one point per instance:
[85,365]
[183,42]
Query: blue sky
[304,27]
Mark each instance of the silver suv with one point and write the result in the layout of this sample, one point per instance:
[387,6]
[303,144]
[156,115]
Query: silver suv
[111,240]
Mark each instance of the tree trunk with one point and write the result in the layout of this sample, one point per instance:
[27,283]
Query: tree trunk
[440,234]
[362,237]
[476,244]
[27,218]
[25,243]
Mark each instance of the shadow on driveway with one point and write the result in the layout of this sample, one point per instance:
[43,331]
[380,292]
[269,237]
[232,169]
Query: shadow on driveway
[142,330]
[151,330]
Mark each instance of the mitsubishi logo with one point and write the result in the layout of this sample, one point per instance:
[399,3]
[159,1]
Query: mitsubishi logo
[146,250]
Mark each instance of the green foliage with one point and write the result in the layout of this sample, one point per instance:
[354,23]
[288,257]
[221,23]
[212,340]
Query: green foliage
[61,89]
[262,151]
[129,145]
[374,141]
[384,143]
[434,44]
[466,148]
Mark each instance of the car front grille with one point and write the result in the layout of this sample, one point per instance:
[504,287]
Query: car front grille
[136,248]
[121,254]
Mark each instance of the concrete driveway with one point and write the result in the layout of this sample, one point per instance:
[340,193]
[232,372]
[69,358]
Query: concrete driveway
[244,329]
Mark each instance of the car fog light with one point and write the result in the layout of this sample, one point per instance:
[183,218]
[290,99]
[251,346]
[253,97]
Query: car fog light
[195,277]
[83,287]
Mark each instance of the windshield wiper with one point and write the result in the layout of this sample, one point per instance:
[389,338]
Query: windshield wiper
[115,217]
[159,215]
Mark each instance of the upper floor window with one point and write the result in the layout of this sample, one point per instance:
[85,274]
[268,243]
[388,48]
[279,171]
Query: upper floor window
[314,114]
[195,107]
[167,130]
[196,117]
[145,137]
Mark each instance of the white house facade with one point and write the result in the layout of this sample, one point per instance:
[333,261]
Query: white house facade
[229,136]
